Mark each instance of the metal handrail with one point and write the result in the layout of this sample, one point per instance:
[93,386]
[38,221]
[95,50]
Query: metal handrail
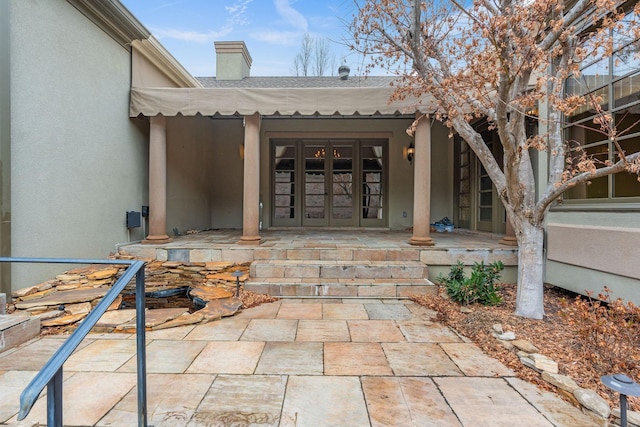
[51,373]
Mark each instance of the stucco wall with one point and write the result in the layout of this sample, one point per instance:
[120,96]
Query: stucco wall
[204,173]
[78,161]
[5,148]
[589,250]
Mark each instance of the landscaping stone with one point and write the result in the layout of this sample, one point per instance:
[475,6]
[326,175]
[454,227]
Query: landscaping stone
[219,308]
[506,336]
[112,319]
[184,319]
[497,328]
[209,293]
[525,346]
[593,402]
[102,274]
[633,417]
[544,363]
[66,297]
[80,308]
[561,381]
[63,320]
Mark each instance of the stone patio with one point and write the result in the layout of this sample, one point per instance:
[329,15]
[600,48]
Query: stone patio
[295,362]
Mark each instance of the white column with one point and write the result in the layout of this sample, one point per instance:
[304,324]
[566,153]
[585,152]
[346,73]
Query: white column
[157,181]
[422,183]
[251,195]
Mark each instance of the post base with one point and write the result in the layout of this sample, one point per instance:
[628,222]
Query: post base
[421,241]
[157,240]
[250,240]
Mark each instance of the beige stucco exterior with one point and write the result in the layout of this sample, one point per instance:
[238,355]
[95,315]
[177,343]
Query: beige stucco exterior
[78,163]
[588,250]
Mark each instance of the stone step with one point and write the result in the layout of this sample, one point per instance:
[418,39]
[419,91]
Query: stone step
[321,287]
[15,330]
[325,269]
[338,253]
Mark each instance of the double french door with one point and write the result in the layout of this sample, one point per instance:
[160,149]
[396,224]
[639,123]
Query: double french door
[328,182]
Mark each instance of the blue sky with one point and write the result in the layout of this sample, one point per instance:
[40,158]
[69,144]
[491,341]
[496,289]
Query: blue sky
[272,30]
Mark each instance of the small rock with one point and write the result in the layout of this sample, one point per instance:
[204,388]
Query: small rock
[465,309]
[633,417]
[208,293]
[49,315]
[221,308]
[103,274]
[544,363]
[112,319]
[497,328]
[115,304]
[24,292]
[68,277]
[594,403]
[227,277]
[63,320]
[37,295]
[83,307]
[217,265]
[506,336]
[563,382]
[526,346]
[506,344]
[182,320]
[526,360]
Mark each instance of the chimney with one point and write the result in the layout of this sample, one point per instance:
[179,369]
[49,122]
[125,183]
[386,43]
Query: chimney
[233,61]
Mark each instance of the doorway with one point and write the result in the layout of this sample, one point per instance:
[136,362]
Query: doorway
[321,183]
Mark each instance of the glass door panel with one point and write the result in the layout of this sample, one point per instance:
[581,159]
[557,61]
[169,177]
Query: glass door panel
[284,183]
[315,185]
[342,185]
[373,183]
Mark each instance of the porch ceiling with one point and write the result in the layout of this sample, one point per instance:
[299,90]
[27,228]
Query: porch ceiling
[271,101]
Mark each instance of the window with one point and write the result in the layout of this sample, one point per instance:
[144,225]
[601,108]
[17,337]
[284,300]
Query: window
[616,82]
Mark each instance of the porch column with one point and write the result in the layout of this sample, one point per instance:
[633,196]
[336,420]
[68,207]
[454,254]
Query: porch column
[509,238]
[422,183]
[157,181]
[251,195]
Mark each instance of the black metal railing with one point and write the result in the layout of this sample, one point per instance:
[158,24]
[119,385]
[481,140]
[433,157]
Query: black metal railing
[51,373]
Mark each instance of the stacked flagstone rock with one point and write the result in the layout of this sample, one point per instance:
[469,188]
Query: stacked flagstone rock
[590,402]
[67,299]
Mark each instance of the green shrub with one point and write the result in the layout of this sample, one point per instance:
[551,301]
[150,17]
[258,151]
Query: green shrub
[479,288]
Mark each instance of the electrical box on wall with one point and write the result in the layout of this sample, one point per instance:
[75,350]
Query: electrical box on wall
[133,219]
[145,211]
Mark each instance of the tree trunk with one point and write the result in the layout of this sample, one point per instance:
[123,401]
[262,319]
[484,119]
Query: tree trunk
[529,301]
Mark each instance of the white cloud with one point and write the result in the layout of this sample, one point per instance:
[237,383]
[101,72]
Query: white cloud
[237,12]
[236,17]
[191,36]
[290,15]
[287,38]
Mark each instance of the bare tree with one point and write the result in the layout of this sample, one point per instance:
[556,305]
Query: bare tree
[321,55]
[497,59]
[314,57]
[302,60]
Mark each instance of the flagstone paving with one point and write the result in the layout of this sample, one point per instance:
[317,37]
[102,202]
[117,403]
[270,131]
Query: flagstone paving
[295,362]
